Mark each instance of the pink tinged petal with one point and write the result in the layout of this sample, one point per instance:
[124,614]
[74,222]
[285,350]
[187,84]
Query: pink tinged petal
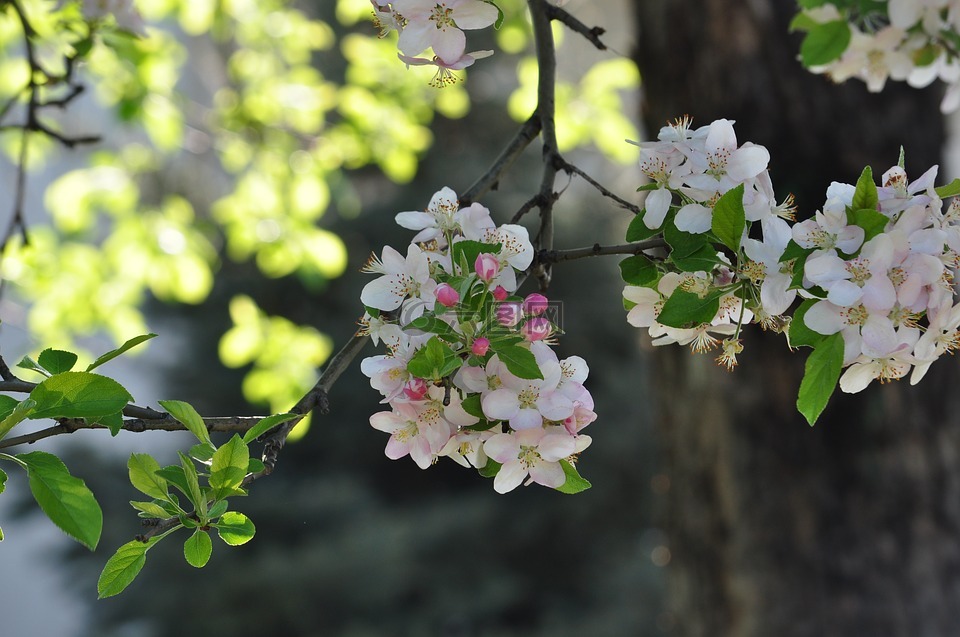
[449,44]
[555,446]
[396,449]
[879,295]
[825,268]
[473,379]
[747,162]
[385,421]
[475,15]
[502,447]
[420,452]
[657,205]
[693,218]
[849,239]
[509,477]
[415,37]
[436,435]
[879,336]
[455,414]
[824,318]
[526,419]
[555,406]
[844,293]
[909,290]
[549,474]
[414,220]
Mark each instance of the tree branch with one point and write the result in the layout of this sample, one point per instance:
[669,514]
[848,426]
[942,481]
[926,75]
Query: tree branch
[592,34]
[596,250]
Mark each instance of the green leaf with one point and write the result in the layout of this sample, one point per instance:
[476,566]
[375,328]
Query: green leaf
[825,42]
[3,480]
[729,218]
[255,466]
[150,510]
[901,161]
[638,230]
[499,22]
[28,363]
[865,196]
[491,469]
[802,22]
[574,483]
[78,395]
[121,569]
[949,190]
[820,375]
[143,469]
[235,528]
[57,361]
[471,405]
[133,342]
[466,252]
[193,485]
[799,334]
[202,453]
[229,466]
[65,499]
[430,360]
[218,509]
[682,243]
[794,251]
[872,222]
[175,476]
[186,414]
[685,309]
[7,405]
[638,270]
[113,422]
[432,325]
[519,361]
[266,425]
[20,413]
[703,260]
[197,549]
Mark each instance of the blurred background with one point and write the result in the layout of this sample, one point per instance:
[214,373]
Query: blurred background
[255,153]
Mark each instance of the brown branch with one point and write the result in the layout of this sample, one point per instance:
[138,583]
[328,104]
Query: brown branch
[569,168]
[556,256]
[590,33]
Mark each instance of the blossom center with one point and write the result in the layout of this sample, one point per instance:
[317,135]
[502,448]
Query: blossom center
[442,16]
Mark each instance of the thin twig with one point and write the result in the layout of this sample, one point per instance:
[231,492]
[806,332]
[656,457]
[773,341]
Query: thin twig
[590,33]
[596,250]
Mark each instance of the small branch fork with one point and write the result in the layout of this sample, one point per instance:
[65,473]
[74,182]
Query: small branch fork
[32,122]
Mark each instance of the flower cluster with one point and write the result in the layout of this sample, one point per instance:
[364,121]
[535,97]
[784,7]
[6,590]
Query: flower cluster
[469,372]
[912,40]
[436,25]
[874,267]
[707,189]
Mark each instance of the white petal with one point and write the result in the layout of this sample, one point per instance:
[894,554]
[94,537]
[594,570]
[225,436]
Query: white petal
[693,218]
[549,474]
[501,404]
[509,477]
[657,204]
[414,220]
[747,162]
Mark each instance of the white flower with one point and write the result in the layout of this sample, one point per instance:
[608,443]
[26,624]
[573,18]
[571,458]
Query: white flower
[536,452]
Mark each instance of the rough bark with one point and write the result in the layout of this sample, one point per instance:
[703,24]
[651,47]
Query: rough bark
[848,528]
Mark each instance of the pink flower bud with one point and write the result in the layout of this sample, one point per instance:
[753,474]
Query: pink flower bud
[487,266]
[536,329]
[500,293]
[416,389]
[508,314]
[480,346]
[447,296]
[535,304]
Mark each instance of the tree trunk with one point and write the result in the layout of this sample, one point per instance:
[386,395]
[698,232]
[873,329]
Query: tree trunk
[848,528]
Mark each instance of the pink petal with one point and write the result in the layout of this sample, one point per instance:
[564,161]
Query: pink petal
[549,474]
[509,477]
[502,447]
[501,404]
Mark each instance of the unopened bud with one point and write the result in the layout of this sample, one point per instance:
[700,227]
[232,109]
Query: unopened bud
[535,304]
[446,295]
[480,346]
[487,266]
[536,329]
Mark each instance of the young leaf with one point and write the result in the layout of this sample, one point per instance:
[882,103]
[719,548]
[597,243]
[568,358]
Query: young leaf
[820,375]
[174,475]
[865,195]
[7,405]
[949,190]
[794,251]
[428,362]
[218,509]
[574,483]
[825,42]
[703,260]
[57,361]
[468,251]
[28,363]
[519,361]
[121,569]
[65,499]
[133,342]
[872,222]
[638,230]
[683,309]
[113,422]
[78,395]
[235,528]
[202,453]
[799,334]
[185,413]
[729,218]
[197,549]
[229,466]
[255,466]
[142,469]
[471,405]
[491,469]
[682,243]
[193,485]
[266,425]
[3,480]
[638,270]
[149,509]
[19,413]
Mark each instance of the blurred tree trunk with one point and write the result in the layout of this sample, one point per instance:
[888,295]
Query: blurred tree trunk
[777,529]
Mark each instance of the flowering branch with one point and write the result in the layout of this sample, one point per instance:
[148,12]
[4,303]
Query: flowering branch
[590,33]
[547,257]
